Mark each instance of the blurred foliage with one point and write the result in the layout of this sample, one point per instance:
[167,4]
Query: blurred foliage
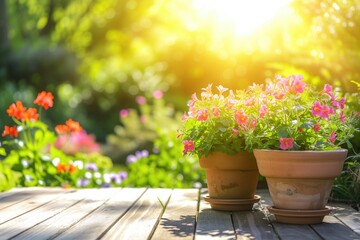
[97,55]
[140,128]
[347,185]
[166,167]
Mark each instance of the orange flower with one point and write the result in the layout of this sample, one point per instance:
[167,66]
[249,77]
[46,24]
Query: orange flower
[71,168]
[44,99]
[16,110]
[30,114]
[61,168]
[71,126]
[62,129]
[74,126]
[12,131]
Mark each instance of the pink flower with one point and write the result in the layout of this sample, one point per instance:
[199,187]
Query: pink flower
[279,95]
[342,117]
[342,102]
[158,94]
[189,146]
[241,117]
[332,137]
[216,111]
[202,115]
[263,111]
[124,113]
[327,88]
[297,85]
[141,100]
[235,132]
[286,143]
[250,102]
[316,128]
[253,124]
[221,89]
[321,110]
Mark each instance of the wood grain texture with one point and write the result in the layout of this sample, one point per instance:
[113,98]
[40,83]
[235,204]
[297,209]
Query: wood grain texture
[253,224]
[142,219]
[138,213]
[29,219]
[91,199]
[98,222]
[333,229]
[347,215]
[30,201]
[179,218]
[213,224]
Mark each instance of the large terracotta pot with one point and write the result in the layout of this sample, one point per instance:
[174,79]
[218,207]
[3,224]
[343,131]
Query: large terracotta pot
[300,180]
[231,178]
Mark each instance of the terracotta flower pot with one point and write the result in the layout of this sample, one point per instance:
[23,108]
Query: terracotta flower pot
[300,180]
[231,178]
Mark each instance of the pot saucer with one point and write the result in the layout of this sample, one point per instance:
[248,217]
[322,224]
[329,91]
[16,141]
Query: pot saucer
[299,216]
[232,204]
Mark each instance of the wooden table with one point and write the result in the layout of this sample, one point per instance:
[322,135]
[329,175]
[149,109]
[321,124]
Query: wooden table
[140,213]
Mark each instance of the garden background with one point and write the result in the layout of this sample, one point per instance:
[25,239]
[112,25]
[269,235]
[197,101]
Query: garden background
[125,70]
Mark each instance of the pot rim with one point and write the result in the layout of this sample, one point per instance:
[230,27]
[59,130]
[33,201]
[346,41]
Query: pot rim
[342,150]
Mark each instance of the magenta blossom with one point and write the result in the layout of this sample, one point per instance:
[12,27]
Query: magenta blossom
[189,146]
[286,143]
[158,94]
[202,115]
[141,100]
[332,137]
[124,113]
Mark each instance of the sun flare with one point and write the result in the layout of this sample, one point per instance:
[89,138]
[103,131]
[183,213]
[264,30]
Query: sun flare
[240,16]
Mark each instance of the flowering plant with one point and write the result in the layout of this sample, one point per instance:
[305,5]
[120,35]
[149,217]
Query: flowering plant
[298,117]
[216,122]
[285,114]
[35,156]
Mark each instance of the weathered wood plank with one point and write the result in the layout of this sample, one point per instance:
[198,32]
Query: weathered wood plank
[33,200]
[97,223]
[17,195]
[52,227]
[253,224]
[26,221]
[333,229]
[141,220]
[179,218]
[213,224]
[347,215]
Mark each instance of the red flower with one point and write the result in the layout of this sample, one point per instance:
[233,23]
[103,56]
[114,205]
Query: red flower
[44,99]
[11,131]
[30,114]
[16,110]
[316,127]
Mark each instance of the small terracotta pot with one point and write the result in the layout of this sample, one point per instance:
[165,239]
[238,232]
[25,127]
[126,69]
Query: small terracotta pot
[300,180]
[231,176]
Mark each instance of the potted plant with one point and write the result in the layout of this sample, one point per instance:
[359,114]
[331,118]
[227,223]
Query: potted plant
[297,144]
[213,130]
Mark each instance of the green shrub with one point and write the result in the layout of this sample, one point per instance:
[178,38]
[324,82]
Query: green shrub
[166,166]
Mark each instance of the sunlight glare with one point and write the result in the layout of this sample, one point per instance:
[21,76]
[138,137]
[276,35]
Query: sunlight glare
[240,16]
